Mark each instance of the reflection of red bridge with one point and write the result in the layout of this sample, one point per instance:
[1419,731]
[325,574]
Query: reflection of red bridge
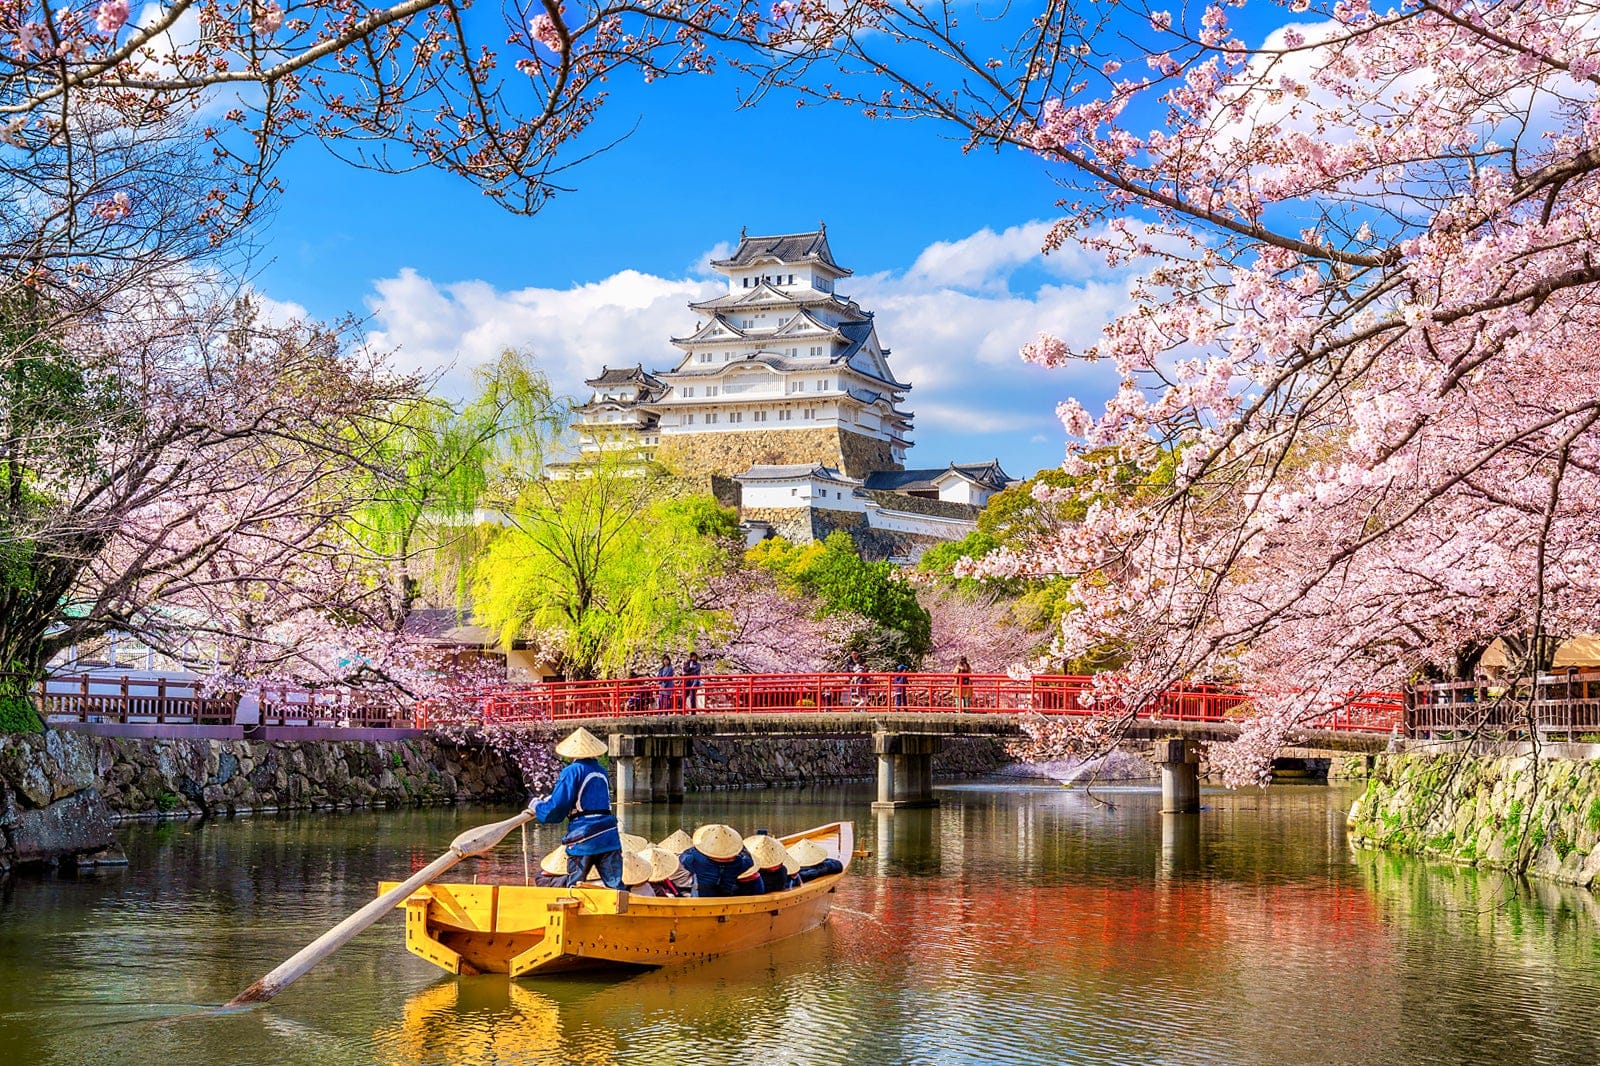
[723,695]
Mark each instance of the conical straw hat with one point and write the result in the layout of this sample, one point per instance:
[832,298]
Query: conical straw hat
[581,744]
[663,863]
[677,843]
[807,852]
[766,850]
[555,863]
[635,868]
[633,843]
[717,841]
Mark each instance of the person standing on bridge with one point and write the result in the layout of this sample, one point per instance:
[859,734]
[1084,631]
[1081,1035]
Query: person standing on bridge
[664,700]
[691,682]
[963,683]
[582,796]
[856,667]
[898,683]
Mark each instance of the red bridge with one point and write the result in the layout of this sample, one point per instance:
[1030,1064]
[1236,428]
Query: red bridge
[718,695]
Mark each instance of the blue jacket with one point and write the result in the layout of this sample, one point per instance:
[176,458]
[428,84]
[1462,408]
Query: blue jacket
[821,869]
[777,880]
[713,877]
[583,797]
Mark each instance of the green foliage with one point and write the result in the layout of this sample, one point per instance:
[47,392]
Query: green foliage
[1592,818]
[435,464]
[17,714]
[840,580]
[603,569]
[166,801]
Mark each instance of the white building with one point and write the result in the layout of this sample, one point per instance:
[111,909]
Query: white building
[779,369]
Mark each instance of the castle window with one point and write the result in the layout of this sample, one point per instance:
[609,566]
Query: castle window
[793,352]
[711,419]
[736,416]
[688,391]
[810,412]
[711,390]
[689,421]
[759,416]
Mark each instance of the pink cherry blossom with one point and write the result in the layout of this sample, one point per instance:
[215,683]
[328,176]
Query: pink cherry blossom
[110,16]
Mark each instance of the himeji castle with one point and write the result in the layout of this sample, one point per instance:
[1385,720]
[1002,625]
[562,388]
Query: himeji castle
[784,387]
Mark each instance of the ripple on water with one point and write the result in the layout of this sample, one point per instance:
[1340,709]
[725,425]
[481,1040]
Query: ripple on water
[1013,925]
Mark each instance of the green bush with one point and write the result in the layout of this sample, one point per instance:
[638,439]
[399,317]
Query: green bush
[17,713]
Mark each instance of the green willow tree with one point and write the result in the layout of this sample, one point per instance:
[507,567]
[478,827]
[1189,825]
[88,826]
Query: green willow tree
[435,466]
[604,567]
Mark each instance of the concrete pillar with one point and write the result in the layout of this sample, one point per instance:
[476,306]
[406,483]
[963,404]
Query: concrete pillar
[905,769]
[649,768]
[1179,760]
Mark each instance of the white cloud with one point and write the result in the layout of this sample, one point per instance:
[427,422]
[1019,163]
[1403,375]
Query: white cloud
[954,321]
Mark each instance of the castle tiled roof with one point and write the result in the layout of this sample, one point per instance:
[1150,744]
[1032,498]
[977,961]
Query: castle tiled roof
[989,475]
[794,472]
[784,247]
[625,376]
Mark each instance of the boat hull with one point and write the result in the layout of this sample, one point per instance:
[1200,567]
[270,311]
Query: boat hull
[524,929]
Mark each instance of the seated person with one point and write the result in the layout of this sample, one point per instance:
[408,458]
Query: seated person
[814,862]
[636,874]
[552,869]
[667,875]
[677,843]
[773,862]
[718,862]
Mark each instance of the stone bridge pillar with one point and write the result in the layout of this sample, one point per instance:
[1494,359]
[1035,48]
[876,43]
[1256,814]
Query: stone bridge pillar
[649,768]
[1179,759]
[905,769]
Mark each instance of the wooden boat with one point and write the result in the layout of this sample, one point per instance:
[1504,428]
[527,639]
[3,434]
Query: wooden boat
[524,929]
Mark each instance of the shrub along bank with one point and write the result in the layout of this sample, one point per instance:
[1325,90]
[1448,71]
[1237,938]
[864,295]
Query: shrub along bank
[1538,816]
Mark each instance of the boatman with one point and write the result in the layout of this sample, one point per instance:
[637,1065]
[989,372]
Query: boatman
[719,863]
[583,797]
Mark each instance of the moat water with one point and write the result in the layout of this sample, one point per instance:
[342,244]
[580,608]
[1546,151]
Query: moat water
[1017,923]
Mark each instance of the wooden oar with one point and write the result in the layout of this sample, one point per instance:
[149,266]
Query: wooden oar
[472,842]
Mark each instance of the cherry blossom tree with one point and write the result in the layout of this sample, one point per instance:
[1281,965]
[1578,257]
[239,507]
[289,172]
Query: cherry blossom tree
[1365,341]
[181,472]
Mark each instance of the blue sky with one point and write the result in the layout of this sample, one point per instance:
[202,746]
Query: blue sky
[944,245]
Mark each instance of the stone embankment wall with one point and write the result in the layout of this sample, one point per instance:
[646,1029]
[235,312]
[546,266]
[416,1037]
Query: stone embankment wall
[1506,812]
[739,762]
[61,792]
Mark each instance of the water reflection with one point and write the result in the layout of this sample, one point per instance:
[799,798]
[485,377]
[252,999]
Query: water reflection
[1180,843]
[1012,924]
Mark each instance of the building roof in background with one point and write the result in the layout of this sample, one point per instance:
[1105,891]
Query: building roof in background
[625,376]
[989,475]
[784,247]
[795,472]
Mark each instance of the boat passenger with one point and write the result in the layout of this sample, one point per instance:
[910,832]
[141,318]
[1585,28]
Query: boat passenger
[636,874]
[719,862]
[552,870]
[773,861]
[814,862]
[583,797]
[677,843]
[667,875]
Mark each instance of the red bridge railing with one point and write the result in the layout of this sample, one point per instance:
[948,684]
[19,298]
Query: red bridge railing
[1051,694]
